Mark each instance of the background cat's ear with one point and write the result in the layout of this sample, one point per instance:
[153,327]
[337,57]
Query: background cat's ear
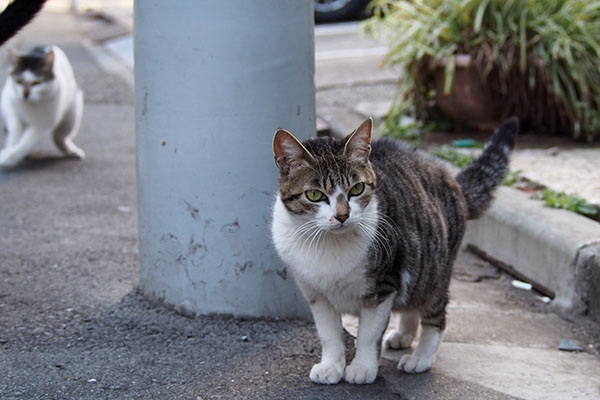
[358,143]
[288,151]
[13,57]
[49,59]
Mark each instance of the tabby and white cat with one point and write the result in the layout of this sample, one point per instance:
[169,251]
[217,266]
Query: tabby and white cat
[368,230]
[40,98]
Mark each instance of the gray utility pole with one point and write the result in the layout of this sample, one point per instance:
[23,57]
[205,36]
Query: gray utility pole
[213,81]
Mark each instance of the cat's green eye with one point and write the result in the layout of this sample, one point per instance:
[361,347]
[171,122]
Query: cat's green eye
[35,83]
[357,189]
[314,195]
[19,81]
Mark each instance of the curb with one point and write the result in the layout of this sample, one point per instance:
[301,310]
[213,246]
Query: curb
[558,251]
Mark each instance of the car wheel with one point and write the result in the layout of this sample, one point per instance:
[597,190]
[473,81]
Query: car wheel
[334,10]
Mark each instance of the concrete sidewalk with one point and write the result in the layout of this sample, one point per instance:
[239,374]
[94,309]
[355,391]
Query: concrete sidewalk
[73,326]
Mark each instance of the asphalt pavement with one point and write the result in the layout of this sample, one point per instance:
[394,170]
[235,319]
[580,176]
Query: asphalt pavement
[74,326]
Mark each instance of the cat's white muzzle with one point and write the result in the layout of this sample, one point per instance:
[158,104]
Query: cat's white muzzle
[337,227]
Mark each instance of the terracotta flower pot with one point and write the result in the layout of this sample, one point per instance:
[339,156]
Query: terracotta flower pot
[470,101]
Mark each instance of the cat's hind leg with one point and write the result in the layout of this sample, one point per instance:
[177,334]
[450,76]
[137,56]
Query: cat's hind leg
[404,334]
[68,127]
[433,322]
[424,355]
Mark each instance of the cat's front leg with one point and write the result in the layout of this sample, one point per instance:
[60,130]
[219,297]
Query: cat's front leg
[10,156]
[372,323]
[329,327]
[14,127]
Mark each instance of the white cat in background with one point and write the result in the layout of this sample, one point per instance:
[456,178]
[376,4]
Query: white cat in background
[40,98]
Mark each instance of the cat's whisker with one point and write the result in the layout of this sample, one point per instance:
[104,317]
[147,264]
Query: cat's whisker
[381,243]
[377,245]
[301,232]
[387,227]
[311,237]
[304,227]
[304,231]
[319,233]
[367,232]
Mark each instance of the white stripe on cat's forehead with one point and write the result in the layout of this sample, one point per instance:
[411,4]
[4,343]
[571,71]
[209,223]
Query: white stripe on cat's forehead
[339,189]
[29,76]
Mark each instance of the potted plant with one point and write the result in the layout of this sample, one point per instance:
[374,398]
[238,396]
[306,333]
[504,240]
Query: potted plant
[479,61]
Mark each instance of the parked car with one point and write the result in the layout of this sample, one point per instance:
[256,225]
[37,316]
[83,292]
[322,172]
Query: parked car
[335,10]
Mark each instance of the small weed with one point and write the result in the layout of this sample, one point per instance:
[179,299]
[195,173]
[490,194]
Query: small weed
[402,127]
[407,132]
[512,177]
[406,127]
[438,125]
[567,201]
[448,153]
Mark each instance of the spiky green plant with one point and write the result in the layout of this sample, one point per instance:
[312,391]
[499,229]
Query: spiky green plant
[541,59]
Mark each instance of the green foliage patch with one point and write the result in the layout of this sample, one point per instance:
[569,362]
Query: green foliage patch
[540,58]
[568,202]
[450,154]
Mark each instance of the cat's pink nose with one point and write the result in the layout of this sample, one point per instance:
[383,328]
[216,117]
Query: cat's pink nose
[341,217]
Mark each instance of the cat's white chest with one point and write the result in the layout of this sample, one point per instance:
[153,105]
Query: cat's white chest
[334,267]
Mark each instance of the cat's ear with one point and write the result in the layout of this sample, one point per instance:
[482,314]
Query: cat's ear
[13,57]
[49,59]
[288,151]
[358,143]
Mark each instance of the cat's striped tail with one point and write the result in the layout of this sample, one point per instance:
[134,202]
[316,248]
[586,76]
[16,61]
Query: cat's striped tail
[481,176]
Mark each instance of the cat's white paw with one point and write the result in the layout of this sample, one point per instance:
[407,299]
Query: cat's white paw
[397,340]
[412,364]
[8,159]
[361,374]
[328,374]
[76,153]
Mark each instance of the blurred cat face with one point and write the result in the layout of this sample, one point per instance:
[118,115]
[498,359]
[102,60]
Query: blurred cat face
[32,74]
[31,87]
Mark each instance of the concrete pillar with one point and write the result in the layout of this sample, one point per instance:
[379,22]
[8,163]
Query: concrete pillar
[214,80]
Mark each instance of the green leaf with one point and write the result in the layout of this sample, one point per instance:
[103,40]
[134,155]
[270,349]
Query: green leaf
[479,16]
[449,69]
[522,41]
[586,209]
